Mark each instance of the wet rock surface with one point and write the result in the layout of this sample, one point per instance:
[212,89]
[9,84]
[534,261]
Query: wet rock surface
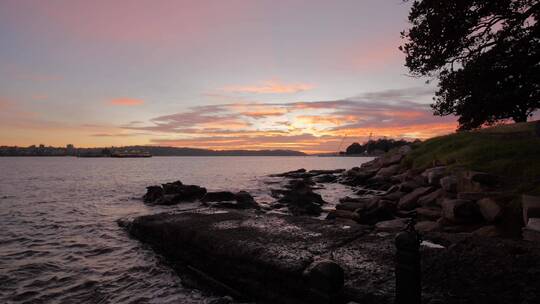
[288,259]
[271,258]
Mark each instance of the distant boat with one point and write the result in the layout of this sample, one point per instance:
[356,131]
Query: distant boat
[131,154]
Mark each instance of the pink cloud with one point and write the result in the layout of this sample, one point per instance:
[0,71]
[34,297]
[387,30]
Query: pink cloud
[125,101]
[270,87]
[38,97]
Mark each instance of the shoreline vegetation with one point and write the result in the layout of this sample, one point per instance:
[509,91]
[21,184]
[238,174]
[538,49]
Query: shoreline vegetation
[371,148]
[480,243]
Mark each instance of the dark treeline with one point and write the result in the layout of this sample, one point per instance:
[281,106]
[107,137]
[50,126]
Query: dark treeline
[70,150]
[374,147]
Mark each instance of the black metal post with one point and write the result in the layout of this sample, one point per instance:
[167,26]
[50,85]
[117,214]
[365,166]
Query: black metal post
[408,271]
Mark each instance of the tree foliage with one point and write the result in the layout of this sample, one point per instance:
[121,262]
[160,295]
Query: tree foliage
[381,144]
[485,54]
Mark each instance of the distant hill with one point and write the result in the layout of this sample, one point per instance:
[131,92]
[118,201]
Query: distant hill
[153,150]
[173,151]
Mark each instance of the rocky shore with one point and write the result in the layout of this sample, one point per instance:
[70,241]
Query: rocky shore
[313,252]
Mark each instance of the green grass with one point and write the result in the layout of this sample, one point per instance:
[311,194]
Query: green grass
[511,151]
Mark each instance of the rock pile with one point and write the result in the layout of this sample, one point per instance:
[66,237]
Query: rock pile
[176,192]
[441,198]
[173,193]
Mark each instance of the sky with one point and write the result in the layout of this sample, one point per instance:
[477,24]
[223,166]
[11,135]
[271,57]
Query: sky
[236,74]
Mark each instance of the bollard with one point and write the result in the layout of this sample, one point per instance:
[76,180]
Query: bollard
[408,271]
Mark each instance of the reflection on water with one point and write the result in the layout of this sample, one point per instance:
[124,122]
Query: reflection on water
[58,238]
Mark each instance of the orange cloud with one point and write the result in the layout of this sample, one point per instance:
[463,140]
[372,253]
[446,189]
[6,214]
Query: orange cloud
[124,101]
[270,87]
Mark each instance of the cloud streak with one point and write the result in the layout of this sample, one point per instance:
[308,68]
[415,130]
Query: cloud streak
[270,87]
[125,101]
[307,126]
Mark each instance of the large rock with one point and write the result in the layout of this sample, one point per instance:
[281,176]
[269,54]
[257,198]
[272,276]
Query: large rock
[392,225]
[487,231]
[173,193]
[434,175]
[245,200]
[474,196]
[431,199]
[427,226]
[357,176]
[326,178]
[531,232]
[326,276]
[341,213]
[410,185]
[489,209]
[388,171]
[301,200]
[530,206]
[460,211]
[472,181]
[269,259]
[153,193]
[428,213]
[409,201]
[449,183]
[391,159]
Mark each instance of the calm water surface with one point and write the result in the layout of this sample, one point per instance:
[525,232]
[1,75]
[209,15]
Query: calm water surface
[59,241]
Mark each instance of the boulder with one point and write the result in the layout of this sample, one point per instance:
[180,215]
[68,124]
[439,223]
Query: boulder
[350,206]
[244,200]
[487,231]
[355,177]
[219,196]
[474,196]
[392,225]
[340,213]
[530,206]
[428,213]
[376,211]
[430,199]
[299,184]
[531,232]
[191,192]
[326,276]
[449,183]
[391,159]
[427,226]
[409,201]
[394,196]
[172,188]
[301,200]
[489,209]
[388,171]
[326,178]
[173,193]
[410,185]
[153,193]
[473,181]
[434,175]
[460,211]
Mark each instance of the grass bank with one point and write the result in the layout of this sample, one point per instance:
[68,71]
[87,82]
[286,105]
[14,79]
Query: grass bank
[511,151]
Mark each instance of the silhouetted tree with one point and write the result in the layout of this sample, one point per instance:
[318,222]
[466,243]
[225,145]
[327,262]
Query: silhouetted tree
[485,54]
[355,148]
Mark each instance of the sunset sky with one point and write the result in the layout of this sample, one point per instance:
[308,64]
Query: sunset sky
[279,74]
